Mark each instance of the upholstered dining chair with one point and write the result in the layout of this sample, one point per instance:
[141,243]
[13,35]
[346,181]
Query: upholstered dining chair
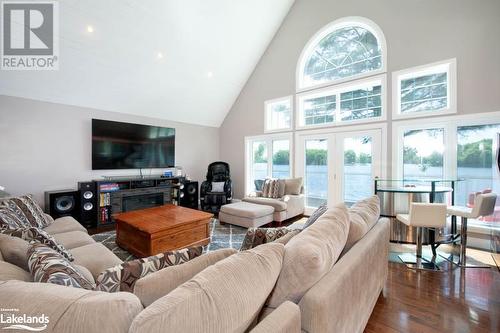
[422,215]
[484,205]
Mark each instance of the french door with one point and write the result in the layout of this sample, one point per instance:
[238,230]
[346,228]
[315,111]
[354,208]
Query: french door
[338,166]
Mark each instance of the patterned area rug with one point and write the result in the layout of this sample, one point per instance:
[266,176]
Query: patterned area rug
[222,236]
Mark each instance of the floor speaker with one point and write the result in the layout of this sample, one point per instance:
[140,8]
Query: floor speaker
[88,203]
[62,203]
[189,194]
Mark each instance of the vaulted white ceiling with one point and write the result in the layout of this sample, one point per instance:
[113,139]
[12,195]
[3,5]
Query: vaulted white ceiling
[208,50]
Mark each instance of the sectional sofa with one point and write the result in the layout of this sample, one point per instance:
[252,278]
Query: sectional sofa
[337,268]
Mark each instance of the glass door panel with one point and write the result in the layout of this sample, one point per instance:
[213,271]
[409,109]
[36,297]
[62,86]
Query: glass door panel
[358,171]
[281,159]
[476,153]
[259,161]
[316,172]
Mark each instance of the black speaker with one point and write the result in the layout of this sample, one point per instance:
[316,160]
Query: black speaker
[62,203]
[88,203]
[189,194]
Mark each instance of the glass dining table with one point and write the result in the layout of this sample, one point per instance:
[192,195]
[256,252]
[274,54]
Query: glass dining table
[396,195]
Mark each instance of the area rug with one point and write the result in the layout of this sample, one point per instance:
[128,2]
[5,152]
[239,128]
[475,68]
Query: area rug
[221,236]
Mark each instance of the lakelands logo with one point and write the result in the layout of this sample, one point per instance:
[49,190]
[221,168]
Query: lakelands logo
[11,319]
[29,35]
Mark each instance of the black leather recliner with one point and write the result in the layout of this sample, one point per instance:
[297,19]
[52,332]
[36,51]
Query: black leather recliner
[212,201]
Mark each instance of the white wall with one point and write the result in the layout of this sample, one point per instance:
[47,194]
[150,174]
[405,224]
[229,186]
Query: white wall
[46,146]
[417,33]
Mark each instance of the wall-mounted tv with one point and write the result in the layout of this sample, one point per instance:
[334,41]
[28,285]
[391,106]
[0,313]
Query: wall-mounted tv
[117,145]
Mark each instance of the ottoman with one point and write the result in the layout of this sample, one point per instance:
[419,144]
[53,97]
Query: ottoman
[246,214]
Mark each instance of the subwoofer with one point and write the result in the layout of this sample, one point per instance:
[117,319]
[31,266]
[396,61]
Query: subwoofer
[88,203]
[62,203]
[189,194]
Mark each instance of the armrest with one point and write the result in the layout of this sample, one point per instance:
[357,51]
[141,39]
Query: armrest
[285,319]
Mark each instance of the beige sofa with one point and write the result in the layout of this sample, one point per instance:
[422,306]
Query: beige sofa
[341,301]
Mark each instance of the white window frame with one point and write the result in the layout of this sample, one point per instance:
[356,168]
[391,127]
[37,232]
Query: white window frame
[449,66]
[267,114]
[323,32]
[450,125]
[337,90]
[334,189]
[268,138]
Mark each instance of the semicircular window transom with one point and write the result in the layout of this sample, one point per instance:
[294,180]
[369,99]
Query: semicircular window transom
[345,52]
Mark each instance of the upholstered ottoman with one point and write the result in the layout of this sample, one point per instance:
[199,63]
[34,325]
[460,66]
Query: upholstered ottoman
[246,214]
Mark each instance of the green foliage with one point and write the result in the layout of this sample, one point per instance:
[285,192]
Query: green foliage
[281,157]
[472,156]
[316,157]
[410,156]
[258,156]
[365,158]
[434,160]
[349,157]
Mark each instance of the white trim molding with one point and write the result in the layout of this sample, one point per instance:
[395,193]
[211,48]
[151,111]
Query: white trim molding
[329,28]
[446,66]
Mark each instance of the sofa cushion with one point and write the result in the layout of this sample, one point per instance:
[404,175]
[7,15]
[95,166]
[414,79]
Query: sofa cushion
[247,209]
[95,257]
[27,211]
[293,186]
[47,265]
[85,272]
[158,284]
[64,224]
[277,204]
[124,276]
[71,309]
[225,297]
[286,238]
[257,236]
[14,251]
[316,215]
[72,239]
[363,216]
[310,255]
[9,271]
[38,235]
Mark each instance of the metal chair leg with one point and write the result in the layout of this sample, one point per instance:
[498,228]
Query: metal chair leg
[417,262]
[462,260]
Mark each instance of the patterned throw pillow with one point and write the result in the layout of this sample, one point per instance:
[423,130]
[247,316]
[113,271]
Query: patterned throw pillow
[36,235]
[258,236]
[27,211]
[273,188]
[9,219]
[48,266]
[124,276]
[316,215]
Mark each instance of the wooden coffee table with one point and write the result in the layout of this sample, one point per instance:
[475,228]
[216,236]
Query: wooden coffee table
[150,231]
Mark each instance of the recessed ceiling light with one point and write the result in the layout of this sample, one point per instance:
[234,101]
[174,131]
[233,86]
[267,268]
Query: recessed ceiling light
[159,55]
[210,74]
[90,28]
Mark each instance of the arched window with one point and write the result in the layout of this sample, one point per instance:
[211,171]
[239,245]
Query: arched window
[347,48]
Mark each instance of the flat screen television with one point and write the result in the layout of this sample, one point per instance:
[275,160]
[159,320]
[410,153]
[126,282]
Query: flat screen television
[117,145]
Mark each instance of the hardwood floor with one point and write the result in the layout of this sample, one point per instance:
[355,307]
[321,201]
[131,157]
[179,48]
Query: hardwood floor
[454,301]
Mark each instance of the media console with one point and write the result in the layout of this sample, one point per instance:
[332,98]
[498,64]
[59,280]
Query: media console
[118,195]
